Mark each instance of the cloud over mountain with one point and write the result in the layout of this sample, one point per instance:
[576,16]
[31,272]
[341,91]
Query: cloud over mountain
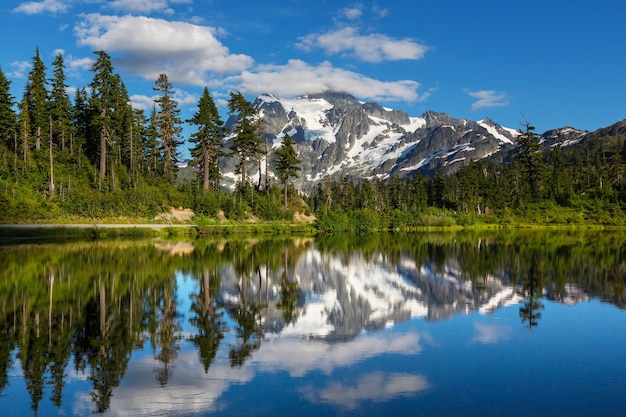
[297,78]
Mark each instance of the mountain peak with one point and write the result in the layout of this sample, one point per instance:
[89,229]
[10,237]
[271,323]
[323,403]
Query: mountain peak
[487,121]
[434,118]
[337,99]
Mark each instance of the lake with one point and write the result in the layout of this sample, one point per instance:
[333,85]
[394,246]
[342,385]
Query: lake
[512,323]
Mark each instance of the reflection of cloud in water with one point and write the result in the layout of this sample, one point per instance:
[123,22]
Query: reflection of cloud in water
[298,357]
[491,333]
[378,386]
[190,390]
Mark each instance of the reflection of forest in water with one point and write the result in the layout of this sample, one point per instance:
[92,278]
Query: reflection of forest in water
[89,305]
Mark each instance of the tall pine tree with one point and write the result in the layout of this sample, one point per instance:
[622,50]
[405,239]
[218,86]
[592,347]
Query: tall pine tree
[246,143]
[530,159]
[150,145]
[102,106]
[8,131]
[208,139]
[80,122]
[24,130]
[286,164]
[168,123]
[60,106]
[37,98]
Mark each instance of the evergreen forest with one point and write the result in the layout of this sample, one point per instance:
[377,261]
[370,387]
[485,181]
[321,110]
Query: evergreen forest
[93,156]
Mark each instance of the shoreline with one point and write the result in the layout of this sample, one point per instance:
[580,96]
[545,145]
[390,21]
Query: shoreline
[35,226]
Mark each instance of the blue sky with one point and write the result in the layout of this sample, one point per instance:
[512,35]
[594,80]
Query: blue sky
[557,63]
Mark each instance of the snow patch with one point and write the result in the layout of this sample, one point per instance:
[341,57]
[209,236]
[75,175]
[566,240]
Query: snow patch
[496,134]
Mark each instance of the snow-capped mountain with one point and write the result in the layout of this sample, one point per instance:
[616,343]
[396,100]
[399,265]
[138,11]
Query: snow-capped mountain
[337,136]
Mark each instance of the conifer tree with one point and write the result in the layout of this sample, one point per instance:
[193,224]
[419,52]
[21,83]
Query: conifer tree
[7,114]
[60,106]
[168,123]
[150,145]
[208,139]
[24,130]
[246,143]
[80,122]
[37,96]
[137,135]
[438,190]
[102,105]
[286,164]
[530,158]
[123,125]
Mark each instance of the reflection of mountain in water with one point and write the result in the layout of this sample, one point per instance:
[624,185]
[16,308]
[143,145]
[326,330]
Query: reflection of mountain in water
[343,296]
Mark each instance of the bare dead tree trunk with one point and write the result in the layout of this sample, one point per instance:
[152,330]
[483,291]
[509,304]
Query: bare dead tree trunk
[205,170]
[267,158]
[51,163]
[103,150]
[38,139]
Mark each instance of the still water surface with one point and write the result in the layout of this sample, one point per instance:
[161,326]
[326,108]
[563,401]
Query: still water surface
[433,325]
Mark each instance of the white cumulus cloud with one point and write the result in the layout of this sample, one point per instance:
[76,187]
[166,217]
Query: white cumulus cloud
[147,46]
[488,99]
[40,7]
[373,47]
[298,78]
[19,69]
[353,12]
[146,6]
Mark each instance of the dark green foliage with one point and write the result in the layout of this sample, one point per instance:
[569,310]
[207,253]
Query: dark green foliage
[286,164]
[36,96]
[80,120]
[8,118]
[168,125]
[208,141]
[531,162]
[246,143]
[150,146]
[437,191]
[60,106]
[102,105]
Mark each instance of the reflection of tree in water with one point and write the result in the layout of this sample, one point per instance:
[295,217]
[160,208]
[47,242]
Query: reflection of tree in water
[103,342]
[532,287]
[6,348]
[168,331]
[288,294]
[247,315]
[34,362]
[208,319]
